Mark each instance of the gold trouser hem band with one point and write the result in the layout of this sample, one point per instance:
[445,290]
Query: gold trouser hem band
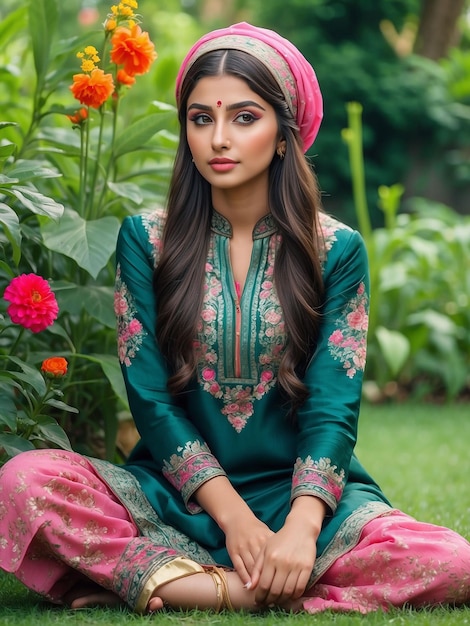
[178,568]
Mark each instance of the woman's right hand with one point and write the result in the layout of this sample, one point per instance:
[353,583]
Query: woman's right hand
[245,534]
[245,538]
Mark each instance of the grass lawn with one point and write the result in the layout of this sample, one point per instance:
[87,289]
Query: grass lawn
[418,454]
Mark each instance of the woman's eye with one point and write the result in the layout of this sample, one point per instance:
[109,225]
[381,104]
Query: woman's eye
[201,119]
[245,118]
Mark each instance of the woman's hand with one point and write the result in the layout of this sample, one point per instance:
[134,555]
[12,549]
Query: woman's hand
[283,567]
[245,534]
[245,538]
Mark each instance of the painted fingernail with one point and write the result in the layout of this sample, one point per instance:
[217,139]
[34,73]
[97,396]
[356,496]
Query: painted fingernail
[247,585]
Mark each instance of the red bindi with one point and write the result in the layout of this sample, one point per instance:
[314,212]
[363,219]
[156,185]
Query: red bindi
[219,103]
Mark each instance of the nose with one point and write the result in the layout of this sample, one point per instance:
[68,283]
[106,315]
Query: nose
[220,136]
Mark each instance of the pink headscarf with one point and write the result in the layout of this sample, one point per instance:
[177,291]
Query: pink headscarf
[289,67]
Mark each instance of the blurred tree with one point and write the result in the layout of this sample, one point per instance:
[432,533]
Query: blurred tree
[438,29]
[363,51]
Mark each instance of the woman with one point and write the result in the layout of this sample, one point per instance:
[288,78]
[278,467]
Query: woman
[242,317]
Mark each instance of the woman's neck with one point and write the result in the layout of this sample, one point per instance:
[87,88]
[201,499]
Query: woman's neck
[243,213]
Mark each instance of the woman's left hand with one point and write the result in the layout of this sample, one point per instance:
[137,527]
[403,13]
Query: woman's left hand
[283,567]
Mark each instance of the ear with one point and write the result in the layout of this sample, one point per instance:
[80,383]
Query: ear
[281,146]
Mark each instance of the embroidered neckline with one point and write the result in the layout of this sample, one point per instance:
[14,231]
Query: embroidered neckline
[263,227]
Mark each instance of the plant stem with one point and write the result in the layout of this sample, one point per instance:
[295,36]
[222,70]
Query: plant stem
[353,137]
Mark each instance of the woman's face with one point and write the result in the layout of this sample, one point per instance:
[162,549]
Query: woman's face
[232,133]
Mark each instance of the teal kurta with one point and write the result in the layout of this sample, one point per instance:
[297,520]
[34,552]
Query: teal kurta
[233,420]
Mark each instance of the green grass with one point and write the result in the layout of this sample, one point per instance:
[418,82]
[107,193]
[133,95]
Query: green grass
[419,455]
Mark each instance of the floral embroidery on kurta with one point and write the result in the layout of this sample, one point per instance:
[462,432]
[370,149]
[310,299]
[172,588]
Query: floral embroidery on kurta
[130,332]
[189,468]
[348,342]
[318,476]
[238,398]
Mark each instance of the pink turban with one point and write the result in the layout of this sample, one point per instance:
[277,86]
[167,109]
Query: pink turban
[289,67]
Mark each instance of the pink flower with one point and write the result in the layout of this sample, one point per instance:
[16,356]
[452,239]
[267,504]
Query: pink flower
[238,423]
[336,338]
[266,376]
[135,327]
[32,302]
[214,388]
[233,407]
[120,304]
[208,374]
[358,319]
[208,315]
[272,317]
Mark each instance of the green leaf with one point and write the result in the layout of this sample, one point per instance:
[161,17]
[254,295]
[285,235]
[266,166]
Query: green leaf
[135,136]
[7,150]
[58,404]
[95,300]
[91,244]
[13,445]
[112,369]
[43,18]
[127,190]
[395,348]
[29,170]
[7,182]
[36,202]
[11,226]
[53,433]
[8,410]
[30,375]
[10,26]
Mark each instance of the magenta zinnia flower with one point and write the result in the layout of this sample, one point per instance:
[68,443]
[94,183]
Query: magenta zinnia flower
[32,302]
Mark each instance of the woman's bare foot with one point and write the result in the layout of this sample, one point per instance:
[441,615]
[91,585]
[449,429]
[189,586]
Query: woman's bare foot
[155,604]
[90,594]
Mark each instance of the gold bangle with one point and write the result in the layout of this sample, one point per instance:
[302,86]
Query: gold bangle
[221,588]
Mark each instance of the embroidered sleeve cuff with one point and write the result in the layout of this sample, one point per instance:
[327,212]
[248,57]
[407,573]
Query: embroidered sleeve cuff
[189,468]
[318,478]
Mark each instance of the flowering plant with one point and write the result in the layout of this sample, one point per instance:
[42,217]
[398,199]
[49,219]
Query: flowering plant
[67,178]
[27,396]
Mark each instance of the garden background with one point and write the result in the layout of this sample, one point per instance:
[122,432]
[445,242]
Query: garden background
[392,159]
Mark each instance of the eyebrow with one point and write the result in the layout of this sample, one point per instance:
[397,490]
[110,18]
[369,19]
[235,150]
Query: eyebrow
[230,107]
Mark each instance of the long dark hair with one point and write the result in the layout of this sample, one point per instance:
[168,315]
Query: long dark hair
[294,202]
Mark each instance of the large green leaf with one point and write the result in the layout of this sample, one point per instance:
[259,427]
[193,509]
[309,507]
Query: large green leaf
[11,25]
[95,300]
[395,348]
[11,226]
[90,244]
[36,202]
[50,431]
[43,18]
[135,136]
[127,190]
[12,444]
[112,369]
[7,407]
[30,170]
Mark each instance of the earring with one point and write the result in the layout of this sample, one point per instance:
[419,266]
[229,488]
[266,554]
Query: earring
[281,152]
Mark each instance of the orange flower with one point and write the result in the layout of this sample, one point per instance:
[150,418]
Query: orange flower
[54,367]
[124,79]
[92,89]
[133,49]
[79,116]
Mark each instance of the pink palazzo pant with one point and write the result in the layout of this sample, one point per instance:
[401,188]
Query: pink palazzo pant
[60,524]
